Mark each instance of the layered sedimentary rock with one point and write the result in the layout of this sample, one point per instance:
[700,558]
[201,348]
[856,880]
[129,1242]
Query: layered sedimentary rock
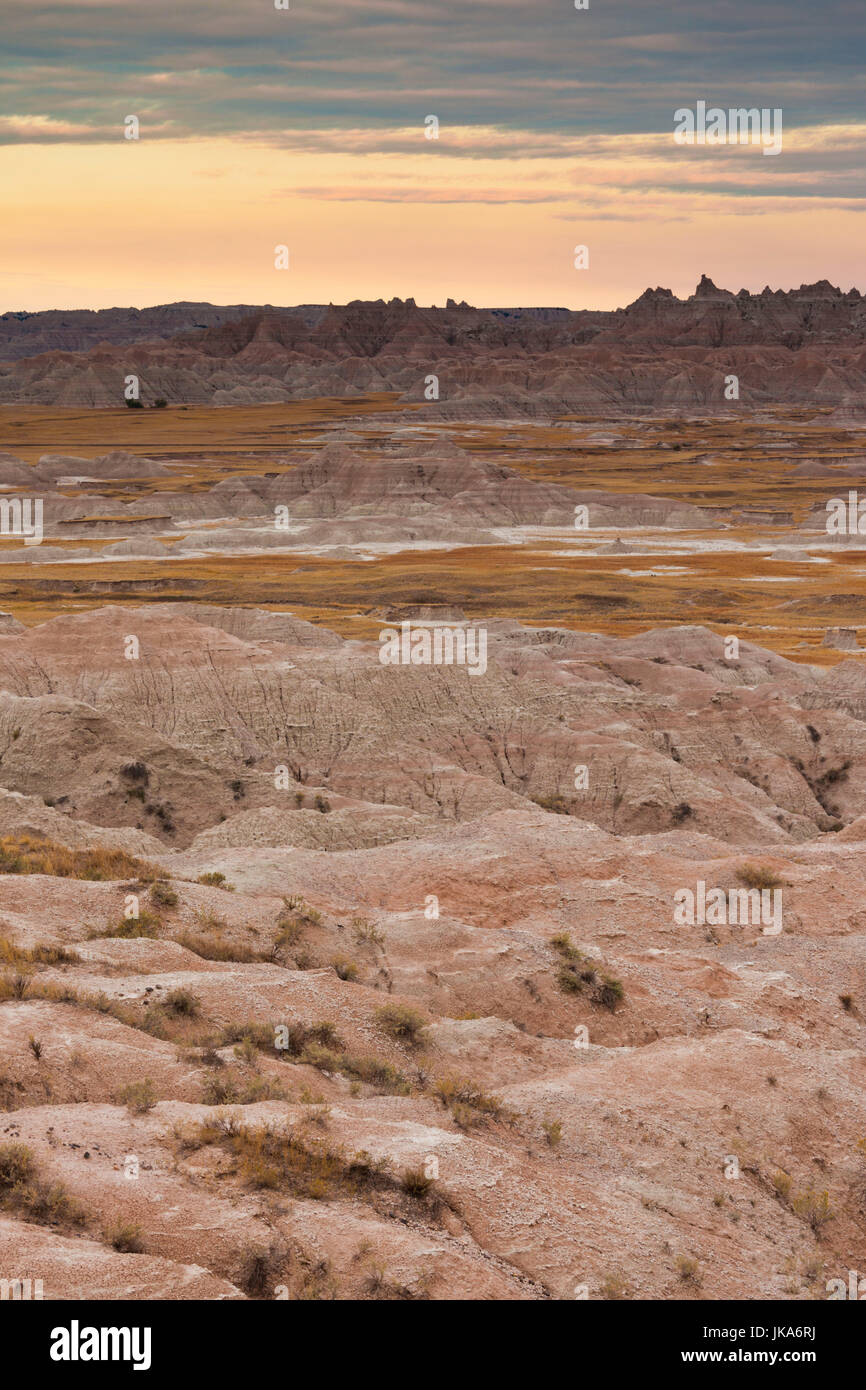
[659,353]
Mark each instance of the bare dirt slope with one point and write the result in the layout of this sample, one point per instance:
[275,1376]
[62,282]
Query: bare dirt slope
[324,979]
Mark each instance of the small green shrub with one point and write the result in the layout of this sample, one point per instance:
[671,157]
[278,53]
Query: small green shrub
[22,1191]
[813,1207]
[345,968]
[469,1105]
[552,1132]
[401,1022]
[615,1288]
[163,894]
[366,933]
[687,1269]
[126,1238]
[16,1165]
[139,1096]
[415,1183]
[182,1003]
[609,993]
[759,876]
[145,924]
[215,879]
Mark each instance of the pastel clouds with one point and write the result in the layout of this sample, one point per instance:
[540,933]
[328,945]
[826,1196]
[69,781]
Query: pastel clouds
[306,127]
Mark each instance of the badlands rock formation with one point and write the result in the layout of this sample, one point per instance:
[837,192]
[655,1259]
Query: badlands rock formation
[405,494]
[446,1037]
[25,334]
[657,354]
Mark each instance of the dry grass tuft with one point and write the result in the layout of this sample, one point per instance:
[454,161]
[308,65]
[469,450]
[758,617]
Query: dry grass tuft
[23,1192]
[27,854]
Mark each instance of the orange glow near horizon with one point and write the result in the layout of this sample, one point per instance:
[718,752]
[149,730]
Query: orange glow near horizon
[141,223]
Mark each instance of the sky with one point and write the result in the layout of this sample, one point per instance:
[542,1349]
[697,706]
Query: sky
[307,127]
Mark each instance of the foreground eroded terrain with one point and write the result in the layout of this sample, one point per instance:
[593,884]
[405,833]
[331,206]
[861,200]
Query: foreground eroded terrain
[329,979]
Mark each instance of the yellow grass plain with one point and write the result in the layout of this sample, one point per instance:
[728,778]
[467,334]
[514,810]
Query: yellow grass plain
[735,466]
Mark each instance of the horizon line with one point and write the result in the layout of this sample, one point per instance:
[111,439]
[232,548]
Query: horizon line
[723,297]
